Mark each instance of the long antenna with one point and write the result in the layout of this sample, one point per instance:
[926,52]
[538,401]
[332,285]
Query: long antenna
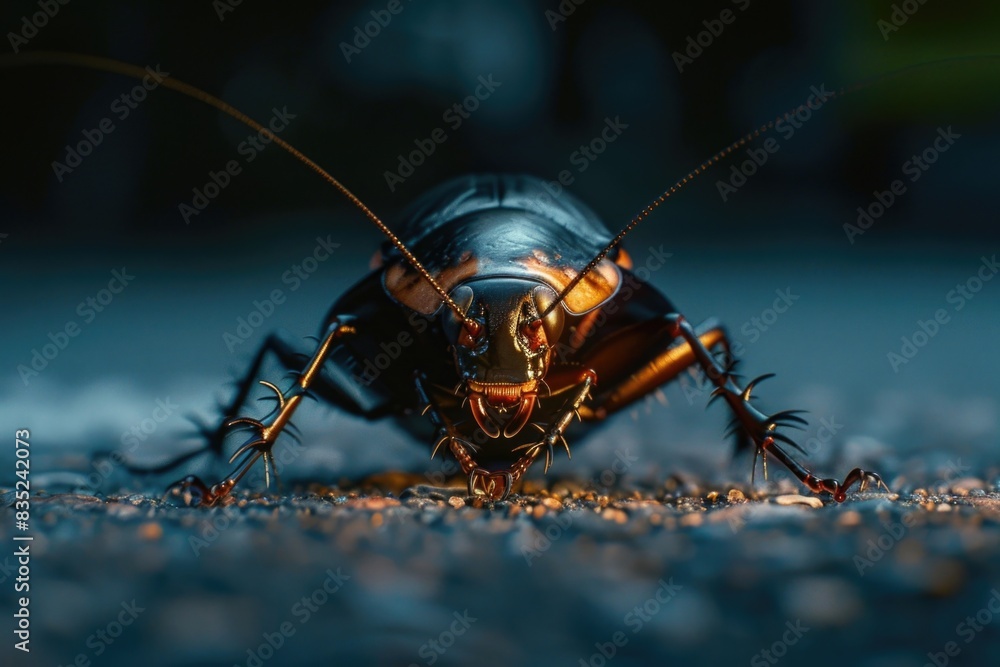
[749,136]
[126,69]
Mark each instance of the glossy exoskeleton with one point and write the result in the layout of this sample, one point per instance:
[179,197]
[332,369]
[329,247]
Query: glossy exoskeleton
[512,312]
[501,378]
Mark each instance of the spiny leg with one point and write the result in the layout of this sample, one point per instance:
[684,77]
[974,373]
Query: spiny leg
[260,444]
[494,485]
[665,366]
[289,357]
[554,434]
[445,432]
[762,428]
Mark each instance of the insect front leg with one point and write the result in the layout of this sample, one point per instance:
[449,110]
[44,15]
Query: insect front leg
[260,444]
[580,387]
[288,355]
[495,485]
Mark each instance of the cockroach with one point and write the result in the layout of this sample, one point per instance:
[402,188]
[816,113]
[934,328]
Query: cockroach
[522,313]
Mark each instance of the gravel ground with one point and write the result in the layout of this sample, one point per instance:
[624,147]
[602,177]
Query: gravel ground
[679,562]
[389,571]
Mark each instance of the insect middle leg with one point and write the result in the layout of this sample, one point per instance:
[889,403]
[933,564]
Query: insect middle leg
[689,346]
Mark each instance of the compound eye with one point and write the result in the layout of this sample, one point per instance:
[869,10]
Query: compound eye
[471,334]
[535,334]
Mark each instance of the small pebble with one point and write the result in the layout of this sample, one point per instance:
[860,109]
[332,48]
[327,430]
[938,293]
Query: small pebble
[615,515]
[736,496]
[552,503]
[795,499]
[456,501]
[962,487]
[850,518]
[150,531]
[692,519]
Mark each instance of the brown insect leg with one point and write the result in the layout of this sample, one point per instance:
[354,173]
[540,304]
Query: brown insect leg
[664,367]
[215,438]
[586,379]
[762,428]
[260,444]
[497,485]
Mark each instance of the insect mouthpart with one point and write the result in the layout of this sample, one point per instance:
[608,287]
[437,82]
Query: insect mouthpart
[500,394]
[492,401]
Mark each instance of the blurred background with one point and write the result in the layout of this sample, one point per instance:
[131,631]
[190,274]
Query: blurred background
[680,81]
[361,105]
